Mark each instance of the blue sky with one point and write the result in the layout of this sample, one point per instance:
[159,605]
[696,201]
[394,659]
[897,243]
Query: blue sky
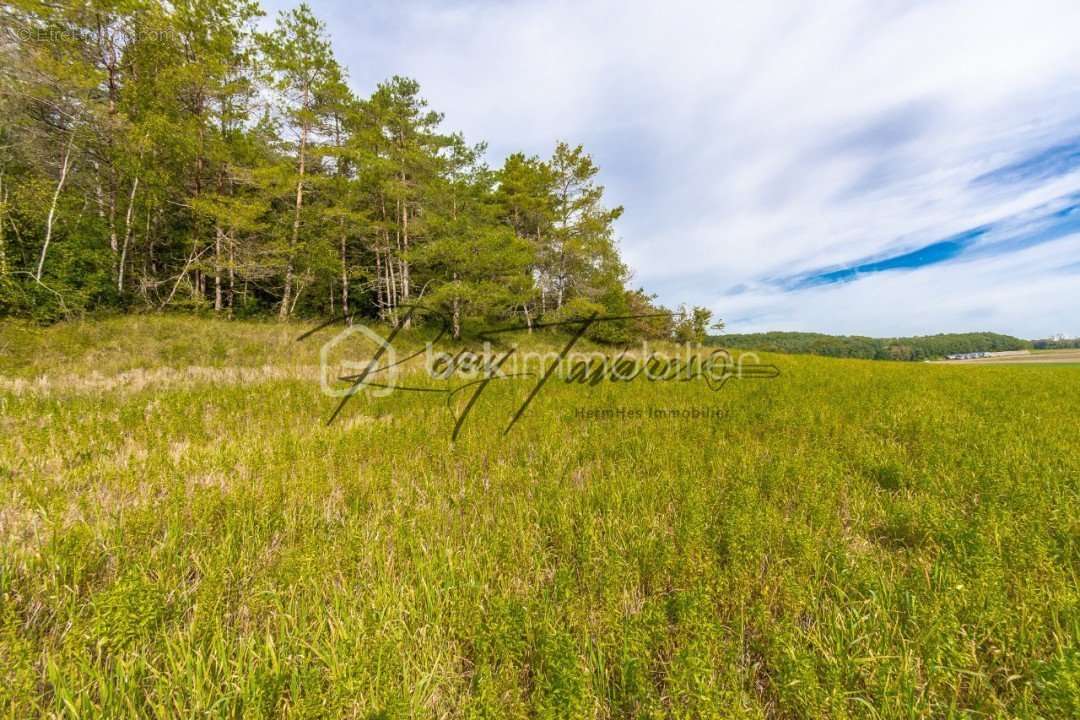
[879,167]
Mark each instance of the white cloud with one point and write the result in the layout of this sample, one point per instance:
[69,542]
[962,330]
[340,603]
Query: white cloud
[1029,293]
[750,140]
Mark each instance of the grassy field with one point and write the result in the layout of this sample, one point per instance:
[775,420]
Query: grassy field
[182,535]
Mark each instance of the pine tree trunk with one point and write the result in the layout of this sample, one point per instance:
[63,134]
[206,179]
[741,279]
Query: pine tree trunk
[148,269]
[111,77]
[391,285]
[196,285]
[114,244]
[540,274]
[286,295]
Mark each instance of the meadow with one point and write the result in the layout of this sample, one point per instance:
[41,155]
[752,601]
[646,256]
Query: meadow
[183,535]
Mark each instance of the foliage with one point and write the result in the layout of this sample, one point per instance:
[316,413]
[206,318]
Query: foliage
[1056,344]
[170,155]
[854,346]
[692,324]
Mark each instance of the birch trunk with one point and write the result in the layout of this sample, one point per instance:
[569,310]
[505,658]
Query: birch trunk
[127,235]
[344,276]
[456,314]
[218,300]
[52,207]
[405,293]
[232,275]
[3,219]
[391,284]
[285,306]
[379,298]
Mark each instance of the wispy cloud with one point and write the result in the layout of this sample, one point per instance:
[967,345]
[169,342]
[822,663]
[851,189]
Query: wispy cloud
[1045,164]
[1042,224]
[938,252]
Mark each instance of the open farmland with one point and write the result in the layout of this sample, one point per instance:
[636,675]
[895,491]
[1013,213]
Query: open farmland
[1029,358]
[182,535]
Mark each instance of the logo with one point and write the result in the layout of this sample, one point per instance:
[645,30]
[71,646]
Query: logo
[329,371]
[461,377]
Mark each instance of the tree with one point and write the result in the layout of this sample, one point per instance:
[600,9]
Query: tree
[692,324]
[411,149]
[305,76]
[474,266]
[166,155]
[581,258]
[525,203]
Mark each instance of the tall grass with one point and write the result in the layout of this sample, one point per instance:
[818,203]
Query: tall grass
[851,539]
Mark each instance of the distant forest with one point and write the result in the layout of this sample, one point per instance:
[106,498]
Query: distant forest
[173,156]
[855,346]
[1050,344]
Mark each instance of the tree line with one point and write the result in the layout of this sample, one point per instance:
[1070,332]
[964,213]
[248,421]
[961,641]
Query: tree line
[1056,344]
[172,155]
[925,347]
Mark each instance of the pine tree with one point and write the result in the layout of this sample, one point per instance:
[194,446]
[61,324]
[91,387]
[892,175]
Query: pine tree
[162,155]
[303,68]
[476,267]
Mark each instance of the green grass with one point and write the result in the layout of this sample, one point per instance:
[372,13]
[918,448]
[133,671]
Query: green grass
[851,539]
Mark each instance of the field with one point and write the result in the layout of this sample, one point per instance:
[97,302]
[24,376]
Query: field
[1038,357]
[183,535]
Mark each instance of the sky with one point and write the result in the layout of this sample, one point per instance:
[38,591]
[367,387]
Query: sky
[877,168]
